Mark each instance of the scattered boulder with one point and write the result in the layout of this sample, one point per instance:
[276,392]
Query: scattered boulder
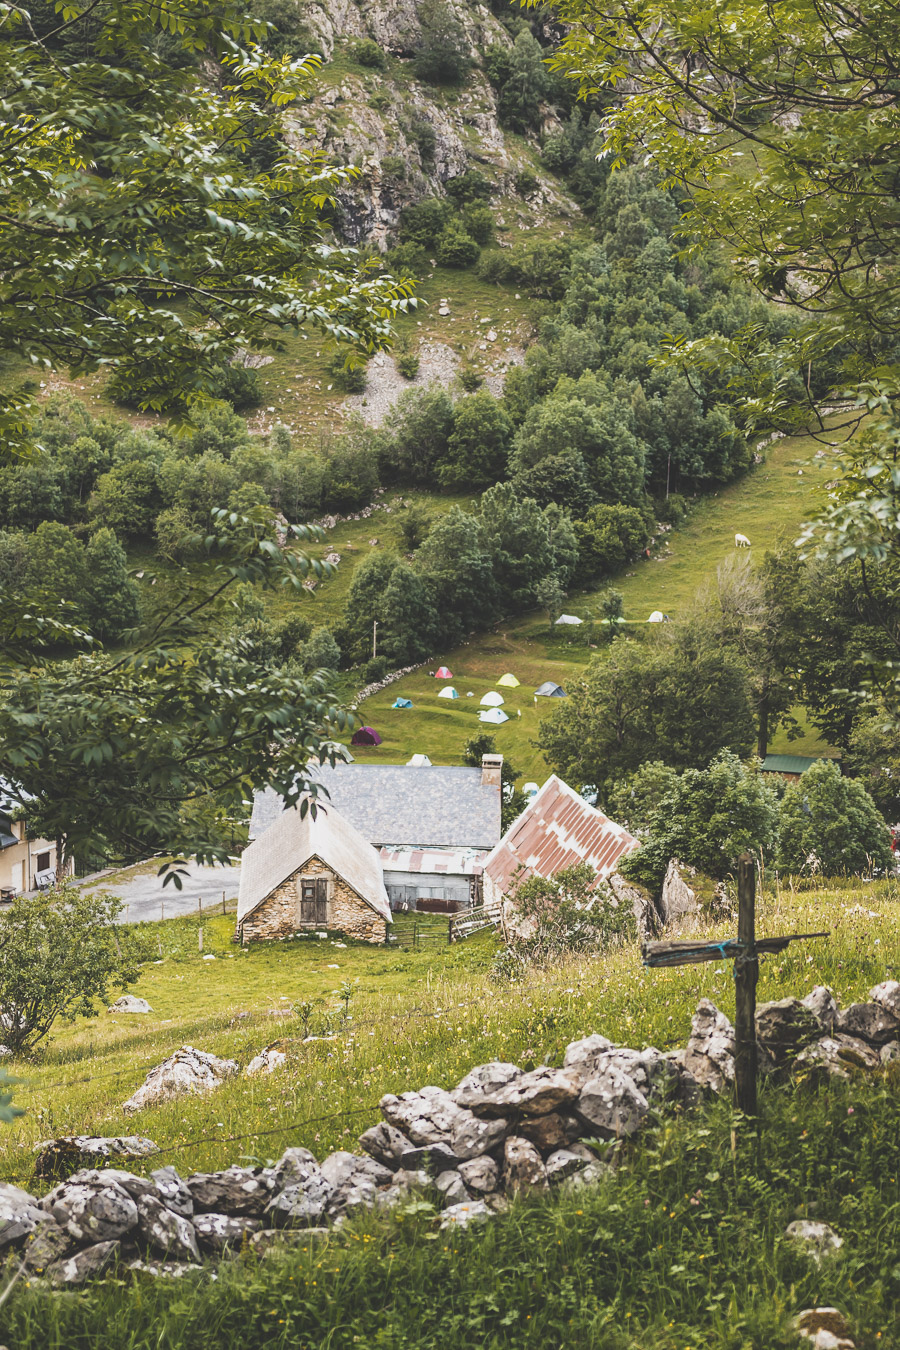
[59,1157]
[709,1056]
[128,1003]
[523,1166]
[188,1070]
[612,1105]
[816,1239]
[268,1060]
[822,1003]
[870,1022]
[678,898]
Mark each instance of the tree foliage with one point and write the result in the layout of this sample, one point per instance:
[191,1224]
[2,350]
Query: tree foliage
[831,826]
[136,234]
[61,953]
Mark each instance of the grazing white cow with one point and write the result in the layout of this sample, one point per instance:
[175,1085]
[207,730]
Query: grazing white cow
[741,541]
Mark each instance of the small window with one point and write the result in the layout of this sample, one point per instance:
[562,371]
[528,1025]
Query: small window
[43,862]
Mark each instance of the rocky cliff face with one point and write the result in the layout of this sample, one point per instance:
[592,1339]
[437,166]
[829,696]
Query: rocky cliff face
[408,138]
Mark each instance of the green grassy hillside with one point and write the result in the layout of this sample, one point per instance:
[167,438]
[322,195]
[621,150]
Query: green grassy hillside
[633,1264]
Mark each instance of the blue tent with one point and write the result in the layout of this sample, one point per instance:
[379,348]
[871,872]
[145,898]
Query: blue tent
[402,703]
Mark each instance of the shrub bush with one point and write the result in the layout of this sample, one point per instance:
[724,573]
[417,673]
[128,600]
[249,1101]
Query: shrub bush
[376,669]
[351,379]
[366,52]
[408,365]
[525,182]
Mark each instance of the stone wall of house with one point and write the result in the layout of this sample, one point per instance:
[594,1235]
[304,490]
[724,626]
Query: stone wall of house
[279,914]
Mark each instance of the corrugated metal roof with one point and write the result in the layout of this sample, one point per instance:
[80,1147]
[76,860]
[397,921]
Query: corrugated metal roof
[447,861]
[557,829]
[293,840]
[403,804]
[790,763]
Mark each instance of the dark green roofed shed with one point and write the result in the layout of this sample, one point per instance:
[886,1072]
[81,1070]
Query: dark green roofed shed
[790,766]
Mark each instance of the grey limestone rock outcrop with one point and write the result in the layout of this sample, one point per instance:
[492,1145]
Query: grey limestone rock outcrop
[20,1214]
[784,1028]
[679,898]
[187,1071]
[822,1003]
[816,1239]
[611,1104]
[219,1233]
[130,1003]
[57,1157]
[386,1144]
[871,1022]
[166,1233]
[237,1190]
[887,995]
[709,1056]
[92,1210]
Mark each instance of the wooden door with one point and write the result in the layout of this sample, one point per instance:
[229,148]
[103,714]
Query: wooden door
[314,901]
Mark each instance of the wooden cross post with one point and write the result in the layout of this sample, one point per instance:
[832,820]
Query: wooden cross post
[745,953]
[746,972]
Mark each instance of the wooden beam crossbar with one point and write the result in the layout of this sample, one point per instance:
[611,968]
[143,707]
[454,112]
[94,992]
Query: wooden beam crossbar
[693,953]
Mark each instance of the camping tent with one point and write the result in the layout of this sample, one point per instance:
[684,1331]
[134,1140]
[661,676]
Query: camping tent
[530,789]
[658,617]
[365,736]
[419,762]
[402,703]
[493,715]
[508,681]
[492,700]
[569,618]
[442,673]
[549,689]
[449,692]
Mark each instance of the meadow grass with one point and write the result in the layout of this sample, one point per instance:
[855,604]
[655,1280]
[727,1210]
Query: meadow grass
[682,1248]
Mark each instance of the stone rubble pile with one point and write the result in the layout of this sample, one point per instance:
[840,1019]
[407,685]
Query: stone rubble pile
[502,1130]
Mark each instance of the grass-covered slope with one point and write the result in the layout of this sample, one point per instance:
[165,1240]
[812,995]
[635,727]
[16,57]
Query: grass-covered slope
[682,1249]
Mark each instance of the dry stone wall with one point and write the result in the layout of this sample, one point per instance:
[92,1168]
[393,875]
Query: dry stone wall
[500,1132]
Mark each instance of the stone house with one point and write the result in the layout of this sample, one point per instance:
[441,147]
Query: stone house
[312,874]
[433,825]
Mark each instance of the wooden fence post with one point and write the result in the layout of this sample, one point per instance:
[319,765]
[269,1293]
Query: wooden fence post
[746,972]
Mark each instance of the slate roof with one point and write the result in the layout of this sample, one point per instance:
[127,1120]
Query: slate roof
[292,840]
[405,805]
[557,829]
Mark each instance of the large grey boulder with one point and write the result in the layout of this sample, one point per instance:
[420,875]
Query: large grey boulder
[20,1214]
[129,1003]
[84,1265]
[483,1083]
[385,1144]
[678,898]
[58,1157]
[165,1232]
[870,1022]
[425,1117]
[612,1105]
[784,1028]
[480,1175]
[237,1190]
[173,1191]
[222,1232]
[92,1211]
[822,1003]
[709,1055]
[523,1167]
[187,1071]
[887,995]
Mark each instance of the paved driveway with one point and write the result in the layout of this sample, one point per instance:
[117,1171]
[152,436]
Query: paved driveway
[145,897]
